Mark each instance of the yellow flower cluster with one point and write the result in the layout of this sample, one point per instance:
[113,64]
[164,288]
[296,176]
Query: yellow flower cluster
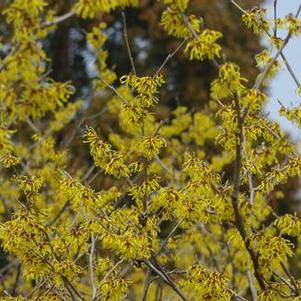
[29,186]
[114,289]
[180,5]
[173,23]
[293,25]
[263,59]
[151,146]
[105,157]
[229,80]
[293,114]
[255,19]
[272,250]
[7,157]
[146,88]
[288,224]
[90,8]
[204,46]
[141,192]
[253,99]
[204,284]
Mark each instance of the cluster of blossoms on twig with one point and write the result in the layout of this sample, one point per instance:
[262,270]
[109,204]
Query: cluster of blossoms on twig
[173,224]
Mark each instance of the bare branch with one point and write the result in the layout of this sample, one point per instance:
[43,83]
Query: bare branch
[94,289]
[275,18]
[169,57]
[238,6]
[235,195]
[147,283]
[59,19]
[160,272]
[292,279]
[126,38]
[113,89]
[251,285]
[170,234]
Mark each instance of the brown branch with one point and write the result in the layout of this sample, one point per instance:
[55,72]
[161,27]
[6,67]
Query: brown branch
[284,281]
[292,279]
[251,285]
[275,18]
[66,205]
[160,272]
[59,19]
[195,35]
[235,196]
[69,289]
[94,289]
[238,6]
[113,89]
[73,288]
[290,69]
[169,57]
[125,35]
[147,283]
[17,280]
[170,234]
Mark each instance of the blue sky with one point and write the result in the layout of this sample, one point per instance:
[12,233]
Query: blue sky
[282,86]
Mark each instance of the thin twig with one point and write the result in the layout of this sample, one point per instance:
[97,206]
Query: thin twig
[290,69]
[169,57]
[173,230]
[235,195]
[99,172]
[65,206]
[275,18]
[94,289]
[251,285]
[59,19]
[238,6]
[147,283]
[292,279]
[33,127]
[16,283]
[73,288]
[188,24]
[159,271]
[108,274]
[113,89]
[69,290]
[102,112]
[284,281]
[125,35]
[237,295]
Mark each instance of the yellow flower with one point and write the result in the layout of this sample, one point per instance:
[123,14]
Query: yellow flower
[288,224]
[150,146]
[204,46]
